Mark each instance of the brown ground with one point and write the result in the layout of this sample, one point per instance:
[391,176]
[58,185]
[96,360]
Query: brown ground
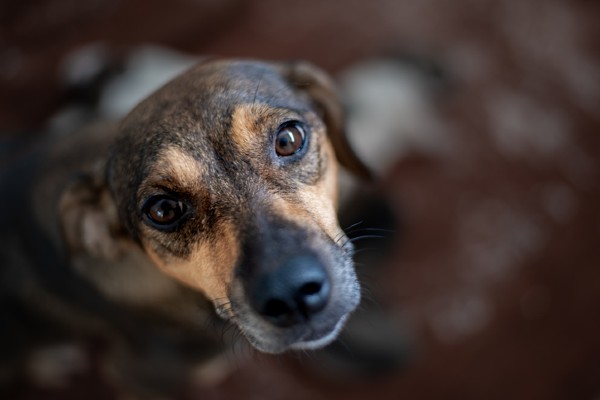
[497,275]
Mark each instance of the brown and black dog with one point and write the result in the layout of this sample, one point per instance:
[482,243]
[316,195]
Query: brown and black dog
[220,186]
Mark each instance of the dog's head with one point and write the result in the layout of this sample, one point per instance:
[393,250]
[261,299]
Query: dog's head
[226,177]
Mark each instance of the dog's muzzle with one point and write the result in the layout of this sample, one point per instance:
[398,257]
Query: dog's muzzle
[300,302]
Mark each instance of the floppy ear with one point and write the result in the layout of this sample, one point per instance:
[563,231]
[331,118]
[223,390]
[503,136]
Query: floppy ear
[319,87]
[89,218]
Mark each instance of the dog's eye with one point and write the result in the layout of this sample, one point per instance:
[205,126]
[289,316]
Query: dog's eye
[290,139]
[163,211]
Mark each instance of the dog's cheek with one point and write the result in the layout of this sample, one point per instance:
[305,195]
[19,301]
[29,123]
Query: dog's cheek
[209,266]
[315,204]
[322,210]
[328,186]
[321,199]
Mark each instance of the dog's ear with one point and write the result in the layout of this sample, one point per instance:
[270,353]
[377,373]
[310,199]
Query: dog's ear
[89,218]
[319,87]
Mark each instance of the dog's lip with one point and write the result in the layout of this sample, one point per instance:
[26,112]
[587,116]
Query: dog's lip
[311,338]
[315,341]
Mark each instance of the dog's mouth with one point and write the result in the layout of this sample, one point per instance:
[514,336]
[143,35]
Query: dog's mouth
[309,334]
[273,340]
[320,339]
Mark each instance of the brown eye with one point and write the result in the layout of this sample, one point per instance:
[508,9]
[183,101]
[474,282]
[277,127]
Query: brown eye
[289,140]
[163,211]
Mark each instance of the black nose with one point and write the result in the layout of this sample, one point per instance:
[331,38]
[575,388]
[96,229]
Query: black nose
[292,293]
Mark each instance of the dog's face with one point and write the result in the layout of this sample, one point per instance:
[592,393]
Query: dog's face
[227,179]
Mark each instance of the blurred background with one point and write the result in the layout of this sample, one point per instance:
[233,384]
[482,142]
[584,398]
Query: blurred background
[483,118]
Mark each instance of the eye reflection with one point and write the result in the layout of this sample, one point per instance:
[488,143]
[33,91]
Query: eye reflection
[290,139]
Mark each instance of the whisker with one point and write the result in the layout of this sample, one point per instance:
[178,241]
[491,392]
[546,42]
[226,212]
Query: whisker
[353,225]
[367,294]
[344,242]
[370,230]
[359,251]
[339,237]
[366,237]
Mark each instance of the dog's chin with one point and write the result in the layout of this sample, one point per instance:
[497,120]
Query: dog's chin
[322,341]
[302,338]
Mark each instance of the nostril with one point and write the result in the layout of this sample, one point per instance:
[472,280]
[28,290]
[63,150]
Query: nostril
[275,308]
[279,312]
[312,297]
[310,288]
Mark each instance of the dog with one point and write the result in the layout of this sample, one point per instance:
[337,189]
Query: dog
[216,195]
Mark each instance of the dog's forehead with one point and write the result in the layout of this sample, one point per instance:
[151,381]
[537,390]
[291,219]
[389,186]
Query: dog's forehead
[218,86]
[239,80]
[204,99]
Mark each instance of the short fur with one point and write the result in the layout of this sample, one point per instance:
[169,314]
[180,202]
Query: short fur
[82,258]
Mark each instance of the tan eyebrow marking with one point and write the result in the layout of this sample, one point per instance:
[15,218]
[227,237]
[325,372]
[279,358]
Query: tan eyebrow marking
[174,164]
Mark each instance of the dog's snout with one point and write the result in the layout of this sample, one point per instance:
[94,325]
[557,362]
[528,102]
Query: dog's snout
[292,293]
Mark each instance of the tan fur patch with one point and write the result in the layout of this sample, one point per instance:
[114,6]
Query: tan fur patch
[244,126]
[248,121]
[210,266]
[330,181]
[175,165]
[317,203]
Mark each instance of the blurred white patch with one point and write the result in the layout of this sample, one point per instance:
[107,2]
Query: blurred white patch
[390,112]
[147,69]
[85,63]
